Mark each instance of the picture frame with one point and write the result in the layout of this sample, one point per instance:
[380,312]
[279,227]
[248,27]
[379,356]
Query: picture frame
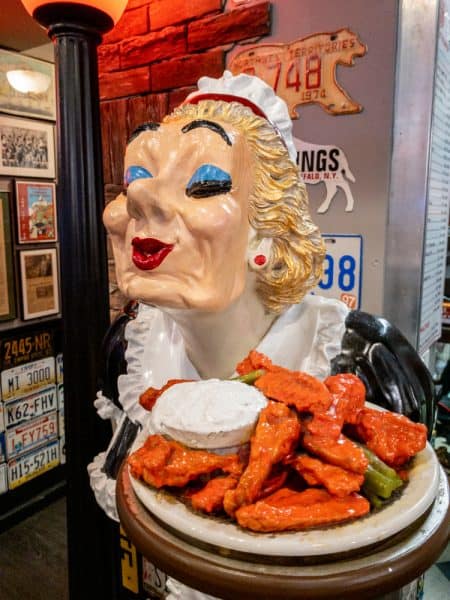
[7,292]
[40,282]
[27,148]
[27,86]
[36,212]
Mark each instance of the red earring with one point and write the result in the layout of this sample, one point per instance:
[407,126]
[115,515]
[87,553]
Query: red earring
[260,260]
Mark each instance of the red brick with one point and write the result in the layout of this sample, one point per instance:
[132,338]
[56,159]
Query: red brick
[146,49]
[176,97]
[108,58]
[232,26]
[142,109]
[114,138]
[133,22]
[169,12]
[124,83]
[186,70]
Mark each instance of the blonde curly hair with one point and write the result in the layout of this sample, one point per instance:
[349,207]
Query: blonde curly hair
[278,205]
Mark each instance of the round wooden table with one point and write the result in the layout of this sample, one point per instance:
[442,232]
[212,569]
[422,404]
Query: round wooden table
[370,574]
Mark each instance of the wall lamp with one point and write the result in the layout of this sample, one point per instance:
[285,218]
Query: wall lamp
[76,29]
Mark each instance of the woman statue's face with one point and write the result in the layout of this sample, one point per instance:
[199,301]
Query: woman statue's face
[180,235]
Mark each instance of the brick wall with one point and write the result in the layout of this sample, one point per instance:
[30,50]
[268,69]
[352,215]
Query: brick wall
[154,56]
[152,60]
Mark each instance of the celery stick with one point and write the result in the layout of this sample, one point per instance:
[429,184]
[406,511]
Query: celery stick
[251,377]
[378,464]
[379,484]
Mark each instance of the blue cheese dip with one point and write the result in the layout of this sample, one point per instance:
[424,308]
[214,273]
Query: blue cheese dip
[208,414]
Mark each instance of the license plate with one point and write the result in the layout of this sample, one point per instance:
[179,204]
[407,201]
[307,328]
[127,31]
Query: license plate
[153,579]
[24,468]
[61,396]
[59,368]
[3,478]
[2,420]
[342,269]
[2,447]
[30,407]
[26,436]
[61,422]
[62,449]
[27,379]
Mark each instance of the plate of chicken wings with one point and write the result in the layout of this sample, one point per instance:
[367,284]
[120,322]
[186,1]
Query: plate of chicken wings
[324,472]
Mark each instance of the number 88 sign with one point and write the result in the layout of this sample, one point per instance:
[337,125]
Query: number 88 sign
[342,276]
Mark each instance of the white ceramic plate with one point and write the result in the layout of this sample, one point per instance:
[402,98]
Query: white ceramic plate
[413,502]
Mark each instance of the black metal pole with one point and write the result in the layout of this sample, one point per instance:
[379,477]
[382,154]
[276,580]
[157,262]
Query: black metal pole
[84,291]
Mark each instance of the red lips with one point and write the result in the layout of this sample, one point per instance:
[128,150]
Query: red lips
[148,253]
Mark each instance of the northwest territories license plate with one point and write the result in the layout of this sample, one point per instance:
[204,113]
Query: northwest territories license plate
[30,407]
[30,434]
[25,379]
[24,468]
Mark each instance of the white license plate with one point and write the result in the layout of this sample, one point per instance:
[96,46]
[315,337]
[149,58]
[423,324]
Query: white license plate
[3,478]
[24,468]
[62,449]
[27,379]
[30,434]
[61,396]
[30,407]
[61,426]
[153,579]
[342,269]
[59,368]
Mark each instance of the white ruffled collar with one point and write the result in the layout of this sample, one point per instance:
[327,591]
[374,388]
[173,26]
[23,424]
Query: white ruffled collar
[305,337]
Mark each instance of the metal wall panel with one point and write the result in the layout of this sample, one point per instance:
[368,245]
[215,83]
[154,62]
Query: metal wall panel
[410,155]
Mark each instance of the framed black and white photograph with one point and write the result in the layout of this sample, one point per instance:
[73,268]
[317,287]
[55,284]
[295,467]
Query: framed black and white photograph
[27,86]
[40,287]
[27,148]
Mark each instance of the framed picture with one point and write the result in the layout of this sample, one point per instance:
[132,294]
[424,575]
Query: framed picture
[27,86]
[7,297]
[40,288]
[27,148]
[36,212]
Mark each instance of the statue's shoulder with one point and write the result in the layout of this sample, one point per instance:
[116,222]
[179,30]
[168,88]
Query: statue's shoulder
[113,362]
[394,374]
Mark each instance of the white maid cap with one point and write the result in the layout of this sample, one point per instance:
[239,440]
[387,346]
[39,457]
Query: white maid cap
[252,92]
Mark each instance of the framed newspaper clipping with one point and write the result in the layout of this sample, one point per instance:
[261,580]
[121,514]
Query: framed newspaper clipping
[40,285]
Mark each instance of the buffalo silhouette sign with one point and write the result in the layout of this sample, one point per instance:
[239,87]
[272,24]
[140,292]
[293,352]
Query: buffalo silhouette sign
[304,71]
[328,164]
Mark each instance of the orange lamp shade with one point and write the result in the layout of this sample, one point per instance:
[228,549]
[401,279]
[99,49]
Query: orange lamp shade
[113,8]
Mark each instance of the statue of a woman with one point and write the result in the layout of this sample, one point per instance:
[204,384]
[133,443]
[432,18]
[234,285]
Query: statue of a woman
[213,240]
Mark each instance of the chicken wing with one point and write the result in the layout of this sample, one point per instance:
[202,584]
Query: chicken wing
[276,435]
[392,437]
[160,462]
[287,510]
